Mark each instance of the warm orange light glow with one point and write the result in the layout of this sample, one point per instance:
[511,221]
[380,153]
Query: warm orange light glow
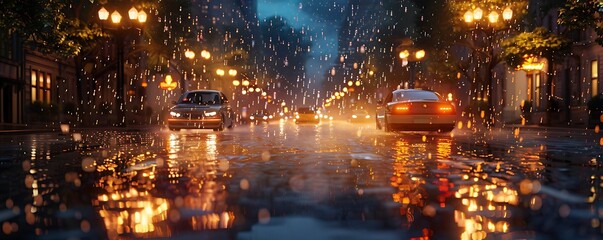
[468,17]
[478,13]
[420,54]
[168,83]
[401,109]
[115,17]
[493,17]
[507,14]
[189,54]
[142,16]
[446,109]
[404,54]
[133,13]
[205,54]
[532,63]
[103,14]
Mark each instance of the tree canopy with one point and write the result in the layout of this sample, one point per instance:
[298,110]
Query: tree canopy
[539,42]
[58,26]
[583,14]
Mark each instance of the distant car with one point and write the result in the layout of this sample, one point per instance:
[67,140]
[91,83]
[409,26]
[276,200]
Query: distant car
[204,109]
[359,116]
[261,116]
[415,110]
[306,115]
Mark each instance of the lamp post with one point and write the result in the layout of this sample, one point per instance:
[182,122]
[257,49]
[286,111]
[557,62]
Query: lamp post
[486,28]
[134,16]
[410,55]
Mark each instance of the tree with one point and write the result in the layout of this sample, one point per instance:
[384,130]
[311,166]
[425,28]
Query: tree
[583,14]
[59,26]
[538,43]
[480,44]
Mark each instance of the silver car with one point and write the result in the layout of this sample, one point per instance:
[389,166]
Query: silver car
[204,109]
[415,110]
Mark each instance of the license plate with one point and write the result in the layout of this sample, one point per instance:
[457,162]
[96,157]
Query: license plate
[421,120]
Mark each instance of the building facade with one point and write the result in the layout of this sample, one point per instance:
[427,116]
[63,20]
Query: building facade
[575,81]
[36,88]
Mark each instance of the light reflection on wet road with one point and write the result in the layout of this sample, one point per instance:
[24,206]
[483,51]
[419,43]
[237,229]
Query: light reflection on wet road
[281,180]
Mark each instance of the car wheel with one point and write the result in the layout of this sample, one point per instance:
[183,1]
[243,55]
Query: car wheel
[386,125]
[221,127]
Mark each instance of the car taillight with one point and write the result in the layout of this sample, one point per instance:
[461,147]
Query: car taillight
[400,109]
[446,109]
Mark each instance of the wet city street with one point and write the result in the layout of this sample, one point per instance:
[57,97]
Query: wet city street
[281,180]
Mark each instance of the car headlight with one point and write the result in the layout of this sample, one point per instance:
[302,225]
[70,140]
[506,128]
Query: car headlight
[252,117]
[175,114]
[210,114]
[368,116]
[315,117]
[354,116]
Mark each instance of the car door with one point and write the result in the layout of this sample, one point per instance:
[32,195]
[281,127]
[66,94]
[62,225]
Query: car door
[381,108]
[227,110]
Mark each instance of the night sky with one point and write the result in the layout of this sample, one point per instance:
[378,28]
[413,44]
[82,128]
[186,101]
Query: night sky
[320,18]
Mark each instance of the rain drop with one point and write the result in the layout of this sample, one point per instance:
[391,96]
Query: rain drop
[264,216]
[244,184]
[9,203]
[85,226]
[266,155]
[160,162]
[6,228]
[26,165]
[564,211]
[77,137]
[429,211]
[297,183]
[88,164]
[223,165]
[535,203]
[525,187]
[174,215]
[29,180]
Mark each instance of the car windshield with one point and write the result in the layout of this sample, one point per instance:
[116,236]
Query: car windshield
[415,95]
[202,98]
[305,111]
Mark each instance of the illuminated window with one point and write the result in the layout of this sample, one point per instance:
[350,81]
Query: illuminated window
[40,87]
[537,90]
[47,88]
[34,84]
[594,77]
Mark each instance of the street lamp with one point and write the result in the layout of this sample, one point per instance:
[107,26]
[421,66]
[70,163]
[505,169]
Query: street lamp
[409,54]
[486,30]
[135,16]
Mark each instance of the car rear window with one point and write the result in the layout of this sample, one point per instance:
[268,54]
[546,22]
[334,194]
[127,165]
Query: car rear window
[203,98]
[415,95]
